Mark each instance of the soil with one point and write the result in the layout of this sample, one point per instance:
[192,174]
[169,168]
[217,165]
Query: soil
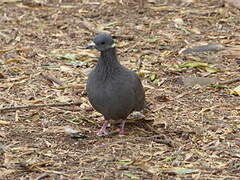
[188,131]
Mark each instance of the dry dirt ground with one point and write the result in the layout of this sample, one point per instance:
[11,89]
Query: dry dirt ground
[190,131]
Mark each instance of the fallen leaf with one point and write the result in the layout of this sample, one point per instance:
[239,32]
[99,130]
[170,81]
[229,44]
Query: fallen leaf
[193,65]
[66,69]
[34,117]
[12,61]
[131,175]
[71,57]
[184,171]
[235,91]
[178,21]
[192,81]
[4,122]
[124,162]
[63,99]
[153,77]
[212,69]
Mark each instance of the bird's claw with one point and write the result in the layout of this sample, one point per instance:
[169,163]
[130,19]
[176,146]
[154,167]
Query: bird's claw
[102,132]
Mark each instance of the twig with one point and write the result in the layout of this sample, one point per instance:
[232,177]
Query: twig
[89,26]
[50,171]
[141,4]
[203,48]
[229,81]
[51,78]
[42,176]
[71,109]
[39,105]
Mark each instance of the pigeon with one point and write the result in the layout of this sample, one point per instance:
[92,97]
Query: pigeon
[112,89]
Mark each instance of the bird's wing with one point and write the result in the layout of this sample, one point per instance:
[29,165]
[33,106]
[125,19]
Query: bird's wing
[139,92]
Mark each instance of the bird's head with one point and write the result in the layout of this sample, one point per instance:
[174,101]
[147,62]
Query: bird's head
[102,42]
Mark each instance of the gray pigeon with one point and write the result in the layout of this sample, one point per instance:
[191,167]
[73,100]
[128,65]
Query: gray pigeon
[112,89]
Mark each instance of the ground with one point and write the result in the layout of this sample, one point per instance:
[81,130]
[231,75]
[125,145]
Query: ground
[188,132]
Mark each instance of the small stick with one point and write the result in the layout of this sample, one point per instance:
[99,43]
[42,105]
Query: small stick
[42,176]
[39,105]
[141,4]
[52,79]
[229,81]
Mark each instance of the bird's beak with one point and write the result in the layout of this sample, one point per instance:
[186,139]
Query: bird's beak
[113,45]
[92,45]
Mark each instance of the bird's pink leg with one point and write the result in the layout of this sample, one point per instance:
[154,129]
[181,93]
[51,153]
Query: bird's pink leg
[122,127]
[103,130]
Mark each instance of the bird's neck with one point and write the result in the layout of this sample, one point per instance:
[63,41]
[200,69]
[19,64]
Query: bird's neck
[108,64]
[108,60]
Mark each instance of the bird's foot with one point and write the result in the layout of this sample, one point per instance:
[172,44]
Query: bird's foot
[121,132]
[103,131]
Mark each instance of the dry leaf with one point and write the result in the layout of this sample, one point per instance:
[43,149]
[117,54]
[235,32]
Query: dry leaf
[4,122]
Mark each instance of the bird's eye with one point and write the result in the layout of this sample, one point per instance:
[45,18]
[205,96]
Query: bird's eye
[103,42]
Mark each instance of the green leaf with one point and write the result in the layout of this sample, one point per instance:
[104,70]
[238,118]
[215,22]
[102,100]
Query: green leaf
[193,65]
[168,159]
[153,77]
[124,162]
[71,57]
[212,70]
[235,91]
[156,81]
[219,86]
[111,24]
[74,121]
